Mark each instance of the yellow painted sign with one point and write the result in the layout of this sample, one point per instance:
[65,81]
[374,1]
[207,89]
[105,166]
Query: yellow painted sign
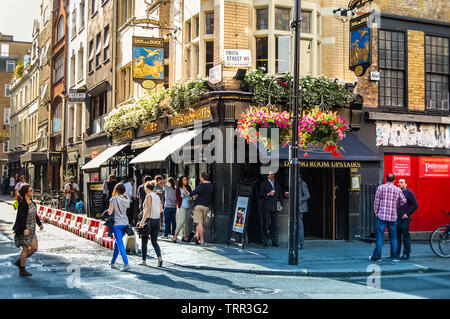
[200,114]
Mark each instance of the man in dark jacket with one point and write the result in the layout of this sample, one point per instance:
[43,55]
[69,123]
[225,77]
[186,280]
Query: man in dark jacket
[404,213]
[270,194]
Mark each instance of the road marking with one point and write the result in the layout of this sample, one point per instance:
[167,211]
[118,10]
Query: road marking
[133,292]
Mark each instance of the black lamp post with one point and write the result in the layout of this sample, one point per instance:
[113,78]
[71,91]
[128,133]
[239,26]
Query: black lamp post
[293,165]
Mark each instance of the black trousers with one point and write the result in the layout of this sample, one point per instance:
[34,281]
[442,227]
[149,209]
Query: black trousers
[270,226]
[154,232]
[403,236]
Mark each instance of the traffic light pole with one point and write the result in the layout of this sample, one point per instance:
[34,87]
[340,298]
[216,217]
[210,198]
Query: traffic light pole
[293,166]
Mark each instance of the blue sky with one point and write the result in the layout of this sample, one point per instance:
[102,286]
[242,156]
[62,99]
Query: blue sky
[17,16]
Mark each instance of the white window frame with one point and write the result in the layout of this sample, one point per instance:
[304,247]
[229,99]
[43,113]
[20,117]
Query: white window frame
[7,90]
[10,62]
[6,114]
[59,68]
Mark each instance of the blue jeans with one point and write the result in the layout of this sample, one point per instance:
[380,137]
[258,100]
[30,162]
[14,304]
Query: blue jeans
[119,232]
[380,227]
[170,223]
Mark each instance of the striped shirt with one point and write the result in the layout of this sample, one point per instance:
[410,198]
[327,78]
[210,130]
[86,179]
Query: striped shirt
[387,199]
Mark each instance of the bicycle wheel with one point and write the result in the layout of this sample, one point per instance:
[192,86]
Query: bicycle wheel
[440,241]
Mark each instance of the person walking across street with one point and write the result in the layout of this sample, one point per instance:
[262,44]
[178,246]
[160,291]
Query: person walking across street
[202,195]
[25,228]
[388,198]
[183,193]
[71,190]
[404,219]
[271,196]
[303,197]
[119,204]
[170,208]
[150,222]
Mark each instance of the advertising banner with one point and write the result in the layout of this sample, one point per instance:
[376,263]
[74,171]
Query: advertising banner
[240,214]
[434,167]
[401,165]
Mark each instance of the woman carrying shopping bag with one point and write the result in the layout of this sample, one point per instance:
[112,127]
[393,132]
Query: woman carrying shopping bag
[118,205]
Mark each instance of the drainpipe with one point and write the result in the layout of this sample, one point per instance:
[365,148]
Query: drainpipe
[114,45]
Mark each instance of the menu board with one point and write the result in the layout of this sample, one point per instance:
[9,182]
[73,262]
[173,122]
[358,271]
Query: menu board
[95,197]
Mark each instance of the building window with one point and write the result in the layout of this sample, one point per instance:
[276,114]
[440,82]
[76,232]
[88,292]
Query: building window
[209,17]
[58,72]
[4,49]
[93,7]
[196,27]
[262,19]
[391,59]
[127,10]
[99,105]
[60,30]
[126,83]
[166,48]
[437,73]
[282,18]
[72,70]
[261,53]
[6,115]
[10,66]
[166,76]
[282,54]
[98,51]
[80,64]
[305,26]
[5,167]
[81,13]
[45,15]
[91,56]
[209,56]
[74,23]
[57,119]
[7,90]
[5,150]
[188,31]
[106,43]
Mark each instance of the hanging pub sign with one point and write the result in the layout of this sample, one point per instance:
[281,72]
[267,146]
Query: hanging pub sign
[360,45]
[148,61]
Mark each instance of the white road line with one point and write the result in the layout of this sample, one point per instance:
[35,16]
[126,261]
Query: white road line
[133,292]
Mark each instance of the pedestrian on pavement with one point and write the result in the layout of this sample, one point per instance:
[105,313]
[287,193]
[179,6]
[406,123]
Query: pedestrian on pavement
[404,219]
[131,194]
[119,204]
[141,192]
[159,190]
[25,228]
[110,185]
[387,200]
[271,196]
[105,194]
[150,222]
[12,185]
[21,182]
[183,193]
[71,190]
[170,208]
[303,197]
[202,195]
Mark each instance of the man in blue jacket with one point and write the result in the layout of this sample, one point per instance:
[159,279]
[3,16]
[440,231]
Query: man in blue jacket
[404,213]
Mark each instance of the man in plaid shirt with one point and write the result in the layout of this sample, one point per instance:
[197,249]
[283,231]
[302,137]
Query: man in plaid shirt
[387,199]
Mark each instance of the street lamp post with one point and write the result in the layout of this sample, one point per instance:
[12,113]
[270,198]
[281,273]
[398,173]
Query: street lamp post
[293,165]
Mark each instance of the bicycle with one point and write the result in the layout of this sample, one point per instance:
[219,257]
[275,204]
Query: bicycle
[440,240]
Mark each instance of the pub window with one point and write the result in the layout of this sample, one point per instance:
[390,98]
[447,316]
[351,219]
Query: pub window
[282,54]
[391,58]
[261,52]
[209,56]
[262,19]
[209,22]
[437,73]
[305,25]
[282,18]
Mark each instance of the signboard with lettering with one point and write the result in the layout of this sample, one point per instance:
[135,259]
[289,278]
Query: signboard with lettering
[95,196]
[325,164]
[401,165]
[215,74]
[152,128]
[186,119]
[77,95]
[237,58]
[438,167]
[360,45]
[123,136]
[148,59]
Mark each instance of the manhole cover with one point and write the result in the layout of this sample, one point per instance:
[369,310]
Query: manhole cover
[254,291]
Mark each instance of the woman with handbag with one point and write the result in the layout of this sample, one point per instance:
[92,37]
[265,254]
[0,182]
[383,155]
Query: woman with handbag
[184,206]
[118,205]
[151,221]
[25,227]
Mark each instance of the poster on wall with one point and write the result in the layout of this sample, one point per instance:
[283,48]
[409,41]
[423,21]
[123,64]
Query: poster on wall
[401,165]
[240,214]
[437,167]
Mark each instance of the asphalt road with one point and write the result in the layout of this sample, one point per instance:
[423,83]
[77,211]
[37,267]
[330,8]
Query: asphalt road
[69,267]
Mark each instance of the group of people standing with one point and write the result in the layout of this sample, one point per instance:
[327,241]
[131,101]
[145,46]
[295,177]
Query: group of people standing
[12,185]
[158,201]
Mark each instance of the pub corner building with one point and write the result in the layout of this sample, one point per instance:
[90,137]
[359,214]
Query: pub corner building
[413,142]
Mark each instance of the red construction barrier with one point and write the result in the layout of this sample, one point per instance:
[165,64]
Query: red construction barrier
[54,220]
[48,215]
[40,211]
[93,230]
[77,226]
[66,222]
[106,241]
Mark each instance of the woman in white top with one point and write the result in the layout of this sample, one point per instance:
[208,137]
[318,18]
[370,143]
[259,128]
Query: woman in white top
[152,211]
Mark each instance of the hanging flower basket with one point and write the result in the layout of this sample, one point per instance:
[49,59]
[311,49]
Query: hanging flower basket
[251,123]
[323,130]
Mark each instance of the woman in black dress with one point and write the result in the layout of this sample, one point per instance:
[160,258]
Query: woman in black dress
[25,227]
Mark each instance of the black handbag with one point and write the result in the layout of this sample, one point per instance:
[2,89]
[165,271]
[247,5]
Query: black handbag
[129,231]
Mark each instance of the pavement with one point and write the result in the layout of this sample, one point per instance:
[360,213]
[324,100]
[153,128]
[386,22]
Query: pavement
[318,258]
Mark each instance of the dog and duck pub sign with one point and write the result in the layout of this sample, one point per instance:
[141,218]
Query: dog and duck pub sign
[148,61]
[360,45]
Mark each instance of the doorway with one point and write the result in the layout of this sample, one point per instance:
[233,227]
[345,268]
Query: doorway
[327,216]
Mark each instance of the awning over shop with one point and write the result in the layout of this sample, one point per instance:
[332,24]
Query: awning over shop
[354,150]
[163,148]
[34,157]
[103,157]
